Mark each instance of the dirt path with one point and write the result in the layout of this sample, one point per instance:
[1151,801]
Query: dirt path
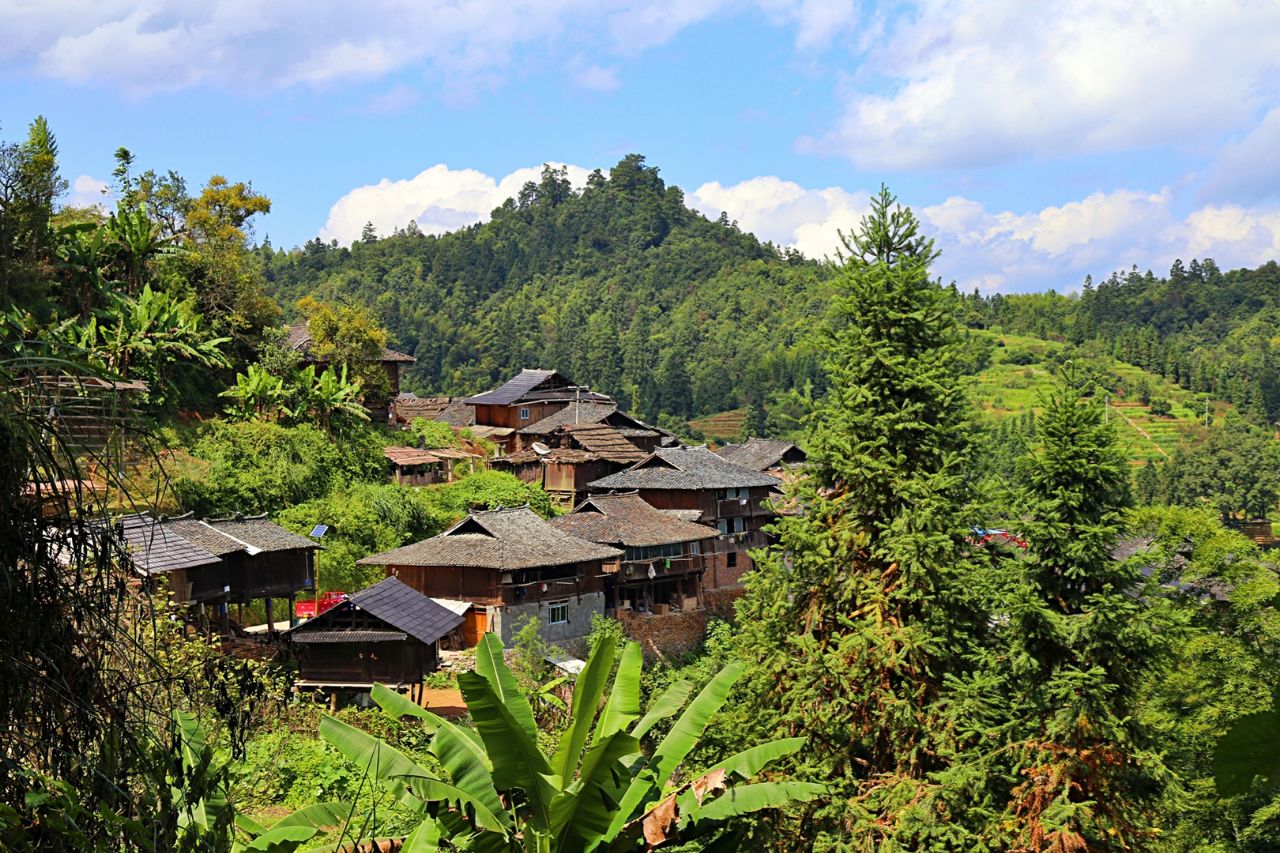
[1140,431]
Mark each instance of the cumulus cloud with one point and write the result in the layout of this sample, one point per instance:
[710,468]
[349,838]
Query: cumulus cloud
[87,191]
[963,83]
[1013,251]
[170,45]
[439,199]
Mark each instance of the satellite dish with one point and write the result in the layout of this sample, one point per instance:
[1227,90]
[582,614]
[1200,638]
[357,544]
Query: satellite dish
[540,448]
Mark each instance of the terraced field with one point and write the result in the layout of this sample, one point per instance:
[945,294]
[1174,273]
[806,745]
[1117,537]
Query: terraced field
[1007,388]
[721,427]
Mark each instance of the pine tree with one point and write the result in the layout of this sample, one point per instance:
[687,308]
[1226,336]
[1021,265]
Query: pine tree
[1078,641]
[858,612]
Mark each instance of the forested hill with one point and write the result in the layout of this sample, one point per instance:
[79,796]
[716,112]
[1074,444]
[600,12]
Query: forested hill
[619,285]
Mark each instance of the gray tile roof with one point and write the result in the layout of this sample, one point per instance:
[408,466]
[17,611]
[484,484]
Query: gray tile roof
[605,441]
[401,606]
[501,539]
[453,411]
[156,548]
[516,388]
[683,468]
[761,454]
[204,535]
[354,636]
[627,520]
[263,534]
[579,413]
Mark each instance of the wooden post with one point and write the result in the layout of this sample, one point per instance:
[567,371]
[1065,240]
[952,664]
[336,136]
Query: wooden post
[271,623]
[293,610]
[333,702]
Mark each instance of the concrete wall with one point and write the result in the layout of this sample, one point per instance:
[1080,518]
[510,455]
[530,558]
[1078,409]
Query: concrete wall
[506,621]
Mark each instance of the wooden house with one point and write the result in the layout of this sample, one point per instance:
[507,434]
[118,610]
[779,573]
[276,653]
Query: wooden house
[764,454]
[411,466]
[392,362]
[508,565]
[221,562]
[525,399]
[661,566]
[578,455]
[728,497]
[386,634]
[454,411]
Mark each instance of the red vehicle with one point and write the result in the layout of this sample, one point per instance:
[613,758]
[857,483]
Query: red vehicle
[306,608]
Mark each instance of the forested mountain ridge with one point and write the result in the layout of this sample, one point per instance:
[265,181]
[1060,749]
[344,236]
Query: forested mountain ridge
[619,285]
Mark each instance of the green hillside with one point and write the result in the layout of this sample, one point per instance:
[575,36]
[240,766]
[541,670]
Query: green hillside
[1022,371]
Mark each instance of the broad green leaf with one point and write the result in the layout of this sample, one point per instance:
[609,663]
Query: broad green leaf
[745,764]
[623,707]
[586,701]
[380,761]
[491,665]
[1249,749]
[249,825]
[744,799]
[424,839]
[517,763]
[583,812]
[667,704]
[432,790]
[462,753]
[283,840]
[318,815]
[395,705]
[684,735]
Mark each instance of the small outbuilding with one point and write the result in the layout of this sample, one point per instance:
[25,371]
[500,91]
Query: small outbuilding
[386,634]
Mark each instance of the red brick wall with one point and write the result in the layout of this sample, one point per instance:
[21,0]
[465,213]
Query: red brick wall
[665,635]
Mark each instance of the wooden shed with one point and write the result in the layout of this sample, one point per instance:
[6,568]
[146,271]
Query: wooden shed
[386,634]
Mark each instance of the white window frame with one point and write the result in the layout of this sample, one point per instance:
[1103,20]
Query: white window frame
[552,607]
[524,414]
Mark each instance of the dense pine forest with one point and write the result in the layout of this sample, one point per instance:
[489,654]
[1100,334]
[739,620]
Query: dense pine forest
[1000,608]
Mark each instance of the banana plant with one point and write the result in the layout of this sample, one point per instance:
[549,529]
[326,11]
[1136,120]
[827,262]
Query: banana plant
[600,790]
[328,396]
[258,394]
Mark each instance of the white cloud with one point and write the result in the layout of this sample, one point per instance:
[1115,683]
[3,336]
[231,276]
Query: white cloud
[1011,251]
[395,100]
[1248,169]
[170,45]
[88,191]
[597,78]
[439,199]
[962,83]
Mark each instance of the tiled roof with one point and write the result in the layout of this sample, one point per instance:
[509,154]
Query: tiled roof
[496,539]
[401,606]
[683,468]
[684,514]
[300,339]
[263,534]
[760,454]
[204,535]
[579,413]
[450,410]
[156,548]
[570,455]
[353,636]
[409,456]
[627,520]
[605,441]
[516,388]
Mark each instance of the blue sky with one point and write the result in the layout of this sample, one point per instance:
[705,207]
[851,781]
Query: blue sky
[1037,144]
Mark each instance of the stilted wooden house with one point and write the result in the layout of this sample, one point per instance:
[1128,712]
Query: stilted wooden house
[729,497]
[386,634]
[222,562]
[392,362]
[509,565]
[661,566]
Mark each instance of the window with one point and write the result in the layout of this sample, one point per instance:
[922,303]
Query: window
[739,525]
[524,414]
[723,524]
[695,548]
[558,612]
[731,559]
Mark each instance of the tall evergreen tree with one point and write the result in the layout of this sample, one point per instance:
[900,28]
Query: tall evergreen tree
[859,612]
[1077,643]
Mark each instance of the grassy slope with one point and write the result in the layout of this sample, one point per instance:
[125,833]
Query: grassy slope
[1005,389]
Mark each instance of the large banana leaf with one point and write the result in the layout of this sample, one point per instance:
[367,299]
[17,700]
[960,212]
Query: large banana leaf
[490,665]
[462,754]
[517,763]
[318,815]
[751,761]
[586,701]
[284,839]
[397,705]
[583,812]
[744,799]
[624,700]
[383,763]
[425,839]
[666,705]
[432,790]
[684,735]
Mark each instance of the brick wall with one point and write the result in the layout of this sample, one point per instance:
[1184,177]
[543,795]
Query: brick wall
[667,634]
